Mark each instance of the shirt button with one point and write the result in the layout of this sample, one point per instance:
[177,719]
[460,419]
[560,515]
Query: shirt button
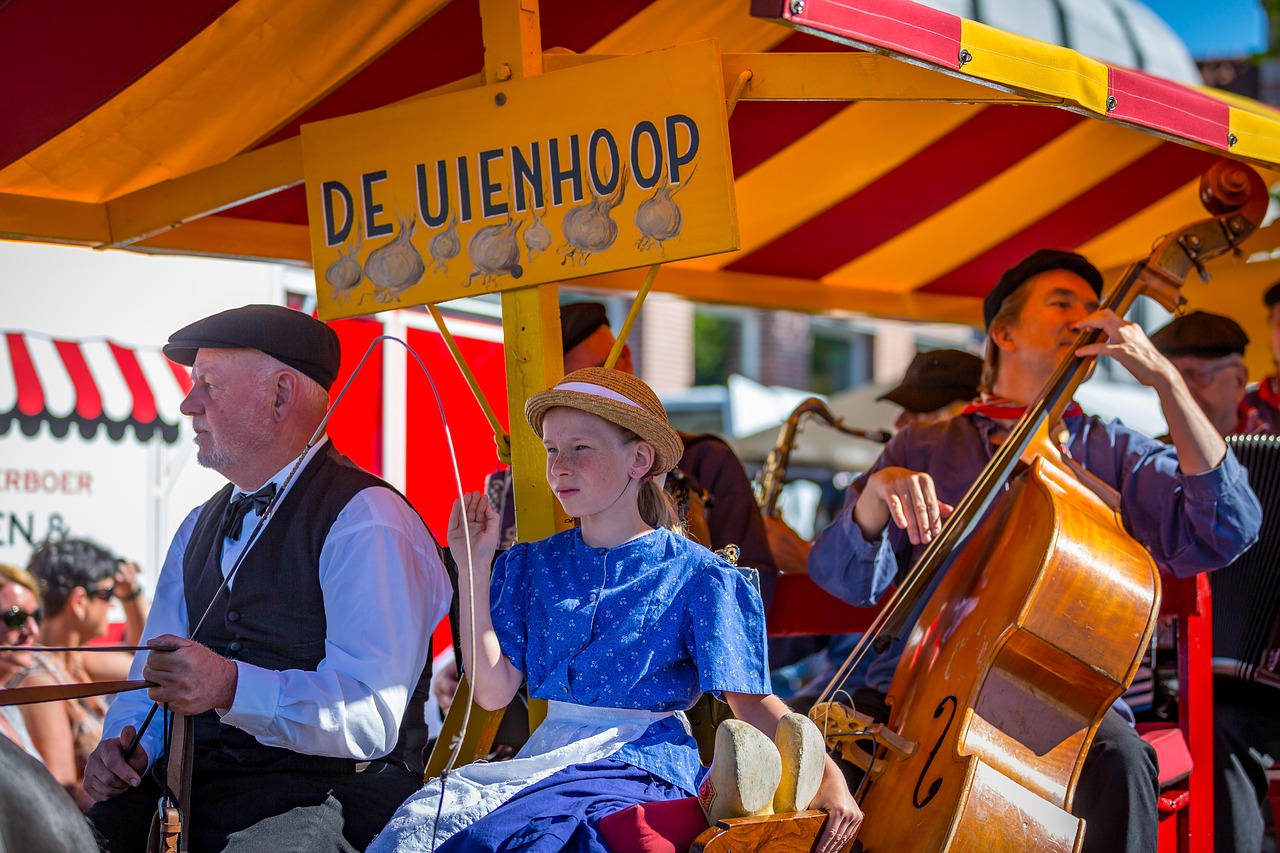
[591,597]
[564,689]
[233,616]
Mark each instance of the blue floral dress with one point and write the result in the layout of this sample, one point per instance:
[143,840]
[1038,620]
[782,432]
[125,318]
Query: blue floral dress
[645,627]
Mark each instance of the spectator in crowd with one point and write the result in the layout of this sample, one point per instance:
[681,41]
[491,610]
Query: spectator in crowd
[20,612]
[77,581]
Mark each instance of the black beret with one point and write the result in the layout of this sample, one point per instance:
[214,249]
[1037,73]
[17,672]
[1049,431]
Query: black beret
[296,339]
[936,378]
[1272,296]
[578,320]
[1041,260]
[1201,334]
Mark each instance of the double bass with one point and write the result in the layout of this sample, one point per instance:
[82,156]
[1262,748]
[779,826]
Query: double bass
[1040,606]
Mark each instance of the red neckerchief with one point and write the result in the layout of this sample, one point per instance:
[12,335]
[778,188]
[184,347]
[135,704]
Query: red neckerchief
[1248,420]
[1000,409]
[1267,392]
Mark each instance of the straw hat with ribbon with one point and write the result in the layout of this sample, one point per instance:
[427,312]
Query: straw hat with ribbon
[619,398]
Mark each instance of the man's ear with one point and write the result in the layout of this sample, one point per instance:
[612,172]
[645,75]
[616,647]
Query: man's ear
[287,388]
[1000,337]
[77,602]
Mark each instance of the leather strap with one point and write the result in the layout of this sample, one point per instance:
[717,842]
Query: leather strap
[58,692]
[181,753]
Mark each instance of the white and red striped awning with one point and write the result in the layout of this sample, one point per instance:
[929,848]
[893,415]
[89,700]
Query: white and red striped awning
[90,383]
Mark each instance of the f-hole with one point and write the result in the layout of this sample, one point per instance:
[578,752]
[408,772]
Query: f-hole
[937,783]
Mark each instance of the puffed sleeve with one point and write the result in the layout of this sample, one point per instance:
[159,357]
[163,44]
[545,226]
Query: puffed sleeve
[509,603]
[725,630]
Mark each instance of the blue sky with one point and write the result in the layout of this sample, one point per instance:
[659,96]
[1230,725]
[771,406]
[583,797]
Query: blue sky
[1216,29]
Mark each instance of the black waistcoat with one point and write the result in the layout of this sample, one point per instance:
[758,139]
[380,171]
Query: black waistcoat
[273,616]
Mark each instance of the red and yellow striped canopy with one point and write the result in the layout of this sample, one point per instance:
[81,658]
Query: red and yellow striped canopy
[896,173]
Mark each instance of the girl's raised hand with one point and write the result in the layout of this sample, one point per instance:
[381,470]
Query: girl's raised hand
[481,528]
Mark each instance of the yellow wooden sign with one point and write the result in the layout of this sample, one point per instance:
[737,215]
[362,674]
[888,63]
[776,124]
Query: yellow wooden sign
[622,163]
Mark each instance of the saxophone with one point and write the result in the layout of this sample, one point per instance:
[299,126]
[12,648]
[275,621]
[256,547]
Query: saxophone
[773,474]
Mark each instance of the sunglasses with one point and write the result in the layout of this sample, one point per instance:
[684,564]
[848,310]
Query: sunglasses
[15,618]
[101,593]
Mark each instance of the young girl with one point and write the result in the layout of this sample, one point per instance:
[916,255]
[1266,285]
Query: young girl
[619,623]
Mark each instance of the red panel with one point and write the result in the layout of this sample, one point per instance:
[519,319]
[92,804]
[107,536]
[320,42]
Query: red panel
[356,425]
[760,129]
[986,145]
[62,60]
[30,392]
[898,25]
[1168,106]
[144,403]
[802,608]
[88,398]
[430,480]
[1165,169]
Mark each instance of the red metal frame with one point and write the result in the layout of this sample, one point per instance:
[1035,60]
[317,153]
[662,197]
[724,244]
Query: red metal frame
[1186,813]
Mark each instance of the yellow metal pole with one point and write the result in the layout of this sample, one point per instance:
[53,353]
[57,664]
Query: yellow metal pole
[621,340]
[531,338]
[499,434]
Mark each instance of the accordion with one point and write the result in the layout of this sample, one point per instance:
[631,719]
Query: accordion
[1246,594]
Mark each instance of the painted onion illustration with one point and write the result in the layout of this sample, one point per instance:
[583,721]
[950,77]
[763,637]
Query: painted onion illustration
[494,251]
[344,274]
[658,217]
[396,266]
[445,245]
[537,237]
[589,228]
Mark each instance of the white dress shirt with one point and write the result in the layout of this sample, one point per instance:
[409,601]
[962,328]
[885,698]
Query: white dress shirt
[385,589]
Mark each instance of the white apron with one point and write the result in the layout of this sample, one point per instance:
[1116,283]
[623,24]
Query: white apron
[571,734]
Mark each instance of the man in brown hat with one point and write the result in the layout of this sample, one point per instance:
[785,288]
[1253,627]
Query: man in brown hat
[937,385]
[1208,350]
[300,599]
[1189,504]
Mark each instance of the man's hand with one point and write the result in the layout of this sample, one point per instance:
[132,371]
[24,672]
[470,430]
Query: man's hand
[107,774]
[191,679]
[1128,344]
[444,683]
[907,498]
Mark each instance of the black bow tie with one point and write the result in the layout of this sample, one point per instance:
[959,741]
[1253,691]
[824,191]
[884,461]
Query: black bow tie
[233,518]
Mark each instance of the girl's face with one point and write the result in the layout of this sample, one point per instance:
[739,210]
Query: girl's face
[589,466]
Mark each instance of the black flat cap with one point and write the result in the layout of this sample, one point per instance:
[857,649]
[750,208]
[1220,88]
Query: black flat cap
[578,320]
[296,339]
[1201,334]
[1041,260]
[1272,296]
[936,378]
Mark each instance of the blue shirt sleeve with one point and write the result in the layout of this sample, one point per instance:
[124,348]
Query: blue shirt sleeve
[1190,523]
[509,604]
[843,561]
[724,628]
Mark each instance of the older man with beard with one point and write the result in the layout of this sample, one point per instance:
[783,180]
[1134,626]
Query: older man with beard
[300,599]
